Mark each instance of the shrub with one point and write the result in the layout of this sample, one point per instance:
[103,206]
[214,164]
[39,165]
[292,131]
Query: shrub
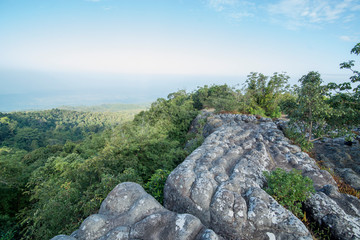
[298,138]
[257,111]
[290,189]
[276,113]
[155,186]
[220,97]
[263,93]
[7,227]
[9,235]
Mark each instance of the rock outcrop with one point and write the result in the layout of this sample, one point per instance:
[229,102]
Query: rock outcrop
[128,212]
[338,212]
[217,192]
[343,159]
[221,183]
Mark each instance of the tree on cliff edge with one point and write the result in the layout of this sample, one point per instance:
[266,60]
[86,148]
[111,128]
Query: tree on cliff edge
[346,102]
[311,107]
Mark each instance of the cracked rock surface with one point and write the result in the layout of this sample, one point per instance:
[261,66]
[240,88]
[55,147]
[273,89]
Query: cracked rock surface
[338,212]
[343,159]
[128,212]
[221,182]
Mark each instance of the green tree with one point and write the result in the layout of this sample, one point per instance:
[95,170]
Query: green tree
[346,103]
[220,97]
[13,177]
[356,74]
[311,109]
[263,94]
[155,185]
[65,188]
[7,128]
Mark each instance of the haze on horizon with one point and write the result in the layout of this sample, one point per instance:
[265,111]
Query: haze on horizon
[144,49]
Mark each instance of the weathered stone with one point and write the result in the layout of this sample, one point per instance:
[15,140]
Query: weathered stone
[349,176]
[63,237]
[128,212]
[221,181]
[198,123]
[338,212]
[344,160]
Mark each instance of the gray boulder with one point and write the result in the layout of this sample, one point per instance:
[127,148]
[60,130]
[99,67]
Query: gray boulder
[63,237]
[344,160]
[128,212]
[338,212]
[221,182]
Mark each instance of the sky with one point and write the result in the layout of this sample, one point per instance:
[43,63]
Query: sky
[67,45]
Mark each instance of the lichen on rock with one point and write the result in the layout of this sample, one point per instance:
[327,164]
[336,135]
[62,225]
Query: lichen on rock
[224,180]
[128,212]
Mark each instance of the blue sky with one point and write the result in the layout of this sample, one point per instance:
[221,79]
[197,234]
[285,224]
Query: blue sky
[223,39]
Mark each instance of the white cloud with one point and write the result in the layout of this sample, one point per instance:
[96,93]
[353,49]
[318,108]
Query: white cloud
[291,13]
[240,15]
[296,13]
[220,5]
[356,8]
[108,8]
[349,18]
[345,38]
[234,9]
[349,38]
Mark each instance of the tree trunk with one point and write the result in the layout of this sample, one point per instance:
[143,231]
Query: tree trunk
[311,123]
[310,131]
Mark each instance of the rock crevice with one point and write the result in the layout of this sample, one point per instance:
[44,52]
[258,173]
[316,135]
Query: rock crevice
[226,179]
[128,212]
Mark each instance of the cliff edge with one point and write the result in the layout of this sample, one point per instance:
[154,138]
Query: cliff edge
[217,192]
